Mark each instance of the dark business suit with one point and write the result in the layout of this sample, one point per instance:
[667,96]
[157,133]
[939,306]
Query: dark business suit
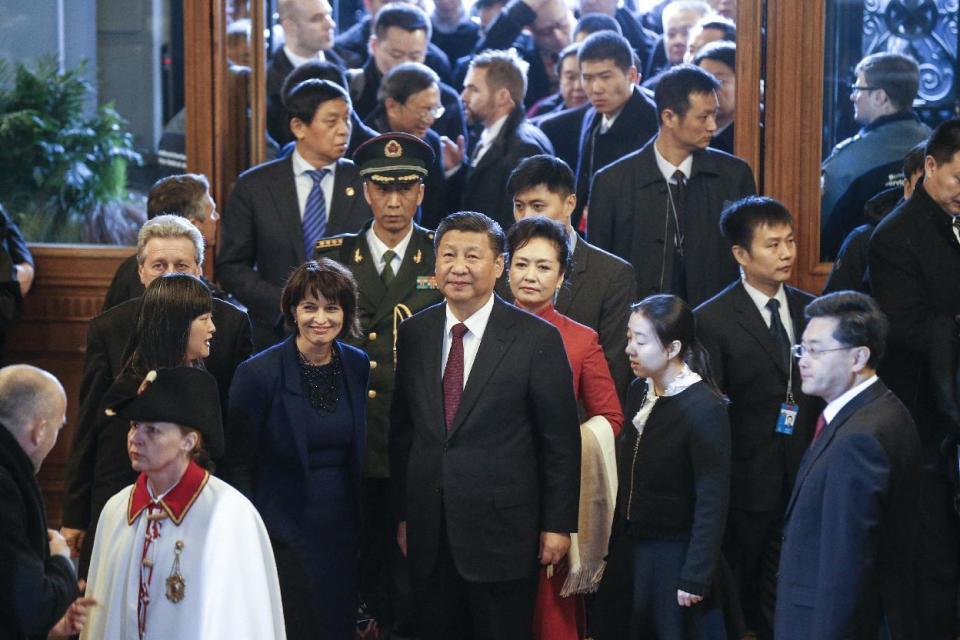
[353,47]
[914,259]
[98,466]
[849,533]
[278,124]
[631,216]
[262,236]
[476,499]
[302,470]
[126,285]
[562,128]
[483,188]
[36,588]
[751,372]
[636,124]
[13,251]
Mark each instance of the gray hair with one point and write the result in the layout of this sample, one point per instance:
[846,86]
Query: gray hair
[169,227]
[697,6]
[26,393]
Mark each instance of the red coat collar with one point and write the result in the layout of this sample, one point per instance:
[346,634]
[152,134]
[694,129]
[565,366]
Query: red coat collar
[177,501]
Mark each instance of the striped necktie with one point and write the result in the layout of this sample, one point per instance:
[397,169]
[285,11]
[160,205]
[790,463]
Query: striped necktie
[314,213]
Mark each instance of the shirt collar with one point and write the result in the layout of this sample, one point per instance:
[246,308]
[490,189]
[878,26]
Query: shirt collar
[571,240]
[489,134]
[378,247]
[175,502]
[760,298]
[296,60]
[887,119]
[476,324]
[668,169]
[301,166]
[833,408]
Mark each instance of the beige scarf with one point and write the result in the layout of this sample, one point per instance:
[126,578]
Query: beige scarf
[598,497]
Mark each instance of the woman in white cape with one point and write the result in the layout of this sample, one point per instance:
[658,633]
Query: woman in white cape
[180,554]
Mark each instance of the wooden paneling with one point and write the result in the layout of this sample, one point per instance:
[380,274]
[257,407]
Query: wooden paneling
[748,135]
[68,290]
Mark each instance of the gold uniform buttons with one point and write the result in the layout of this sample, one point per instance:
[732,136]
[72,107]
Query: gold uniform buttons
[372,336]
[371,394]
[373,364]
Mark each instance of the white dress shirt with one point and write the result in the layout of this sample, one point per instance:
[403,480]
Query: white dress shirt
[760,299]
[476,325]
[378,248]
[296,60]
[833,408]
[667,169]
[486,139]
[305,182]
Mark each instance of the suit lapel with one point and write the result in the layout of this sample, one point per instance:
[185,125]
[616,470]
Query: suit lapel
[570,289]
[295,403]
[345,193]
[283,191]
[820,445]
[434,319]
[752,322]
[497,338]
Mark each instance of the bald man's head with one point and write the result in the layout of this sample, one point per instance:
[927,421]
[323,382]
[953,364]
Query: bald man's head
[33,409]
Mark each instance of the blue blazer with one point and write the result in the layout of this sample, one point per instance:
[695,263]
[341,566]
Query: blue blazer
[266,455]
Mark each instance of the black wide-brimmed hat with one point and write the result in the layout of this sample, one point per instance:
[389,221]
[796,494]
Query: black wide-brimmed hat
[394,158]
[185,396]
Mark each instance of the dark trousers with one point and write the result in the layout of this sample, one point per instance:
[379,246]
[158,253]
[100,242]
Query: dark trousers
[452,608]
[752,547]
[385,585]
[938,541]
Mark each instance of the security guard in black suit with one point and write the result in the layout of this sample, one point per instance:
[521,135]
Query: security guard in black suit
[392,260]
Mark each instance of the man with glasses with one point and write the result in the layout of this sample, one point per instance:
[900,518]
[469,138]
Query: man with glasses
[748,329]
[864,165]
[392,260]
[849,528]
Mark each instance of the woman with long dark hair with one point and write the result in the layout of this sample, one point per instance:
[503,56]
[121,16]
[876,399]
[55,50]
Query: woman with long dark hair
[674,468]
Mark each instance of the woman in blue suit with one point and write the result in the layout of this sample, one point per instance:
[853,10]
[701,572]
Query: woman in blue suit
[296,448]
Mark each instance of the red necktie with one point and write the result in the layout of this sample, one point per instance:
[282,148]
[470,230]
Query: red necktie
[821,423]
[453,375]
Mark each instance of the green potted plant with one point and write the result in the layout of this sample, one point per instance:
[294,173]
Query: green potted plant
[60,166]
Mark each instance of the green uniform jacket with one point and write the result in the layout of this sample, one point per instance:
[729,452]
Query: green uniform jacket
[414,287]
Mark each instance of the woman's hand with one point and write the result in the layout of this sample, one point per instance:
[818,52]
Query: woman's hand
[685,599]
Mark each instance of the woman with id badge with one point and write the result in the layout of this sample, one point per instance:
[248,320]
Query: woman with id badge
[674,470]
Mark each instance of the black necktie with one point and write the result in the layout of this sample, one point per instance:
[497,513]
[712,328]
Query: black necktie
[956,227]
[777,330]
[679,188]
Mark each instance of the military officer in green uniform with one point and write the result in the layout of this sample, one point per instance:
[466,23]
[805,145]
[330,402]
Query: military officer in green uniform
[392,259]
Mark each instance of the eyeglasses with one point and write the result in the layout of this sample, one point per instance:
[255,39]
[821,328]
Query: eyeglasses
[434,113]
[799,351]
[858,89]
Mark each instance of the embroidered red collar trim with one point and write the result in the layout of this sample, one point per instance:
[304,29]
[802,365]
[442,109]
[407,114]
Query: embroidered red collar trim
[177,501]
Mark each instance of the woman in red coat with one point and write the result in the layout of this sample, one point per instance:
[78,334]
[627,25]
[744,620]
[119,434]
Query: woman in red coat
[539,257]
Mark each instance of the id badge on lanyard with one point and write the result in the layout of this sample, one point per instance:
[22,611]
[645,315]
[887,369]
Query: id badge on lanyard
[788,409]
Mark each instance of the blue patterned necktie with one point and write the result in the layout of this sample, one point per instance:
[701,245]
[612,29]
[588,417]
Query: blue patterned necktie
[314,213]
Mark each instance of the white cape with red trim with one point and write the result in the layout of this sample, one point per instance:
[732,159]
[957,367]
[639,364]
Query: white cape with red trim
[231,590]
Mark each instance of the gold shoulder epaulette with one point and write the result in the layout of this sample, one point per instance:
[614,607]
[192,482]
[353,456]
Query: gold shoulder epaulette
[328,243]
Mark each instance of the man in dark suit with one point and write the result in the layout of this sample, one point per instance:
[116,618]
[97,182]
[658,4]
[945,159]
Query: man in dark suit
[658,207]
[848,542]
[493,97]
[166,244]
[307,36]
[484,445]
[392,260]
[621,118]
[281,207]
[641,39]
[599,289]
[186,195]
[38,587]
[748,329]
[914,262]
[16,273]
[401,33]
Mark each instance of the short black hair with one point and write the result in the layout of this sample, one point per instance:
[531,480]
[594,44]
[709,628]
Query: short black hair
[542,169]
[944,142]
[606,45]
[677,84]
[472,222]
[304,99]
[719,51]
[572,49]
[327,278]
[525,230]
[861,323]
[740,220]
[406,79]
[595,23]
[315,70]
[405,16]
[913,161]
[718,23]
